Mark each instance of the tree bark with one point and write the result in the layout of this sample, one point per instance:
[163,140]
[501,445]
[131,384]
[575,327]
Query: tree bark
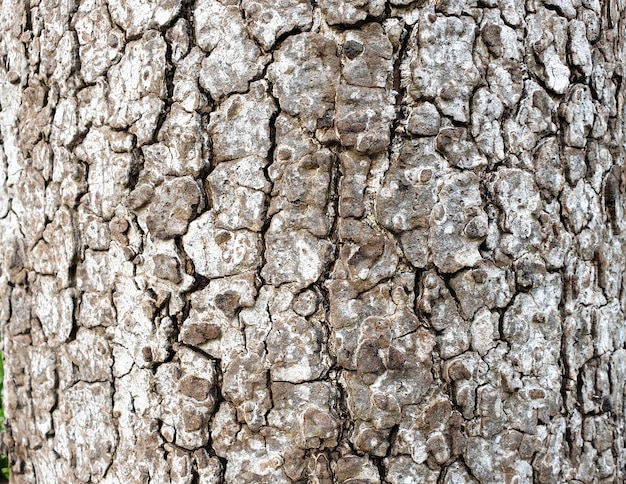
[268,241]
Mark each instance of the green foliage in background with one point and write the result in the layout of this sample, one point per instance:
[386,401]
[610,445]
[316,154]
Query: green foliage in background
[4,460]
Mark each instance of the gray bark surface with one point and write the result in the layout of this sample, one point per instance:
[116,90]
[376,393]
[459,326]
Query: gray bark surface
[274,241]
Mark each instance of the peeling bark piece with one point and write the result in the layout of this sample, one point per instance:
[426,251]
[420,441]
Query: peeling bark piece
[367,61]
[210,469]
[458,223]
[234,58]
[348,310]
[451,7]
[196,334]
[367,357]
[424,120]
[534,119]
[33,109]
[401,469]
[29,204]
[516,194]
[579,203]
[198,378]
[91,447]
[381,398]
[483,462]
[217,252]
[556,244]
[182,145]
[109,172]
[356,469]
[137,16]
[415,247]
[300,194]
[93,105]
[485,285]
[609,270]
[137,84]
[355,169]
[547,34]
[186,89]
[319,469]
[96,234]
[368,439]
[454,340]
[188,397]
[64,129]
[91,354]
[55,310]
[43,382]
[140,196]
[486,130]
[600,123]
[297,257]
[505,83]
[578,116]
[304,182]
[293,143]
[178,36]
[365,257]
[250,460]
[306,413]
[100,43]
[238,191]
[351,11]
[564,7]
[240,127]
[55,254]
[96,310]
[304,76]
[224,428]
[21,307]
[548,167]
[454,145]
[601,170]
[484,331]
[501,40]
[140,339]
[95,273]
[176,203]
[442,67]
[270,20]
[213,322]
[137,433]
[167,267]
[228,295]
[578,289]
[363,118]
[604,340]
[180,466]
[580,50]
[306,303]
[528,337]
[245,384]
[591,18]
[295,351]
[513,11]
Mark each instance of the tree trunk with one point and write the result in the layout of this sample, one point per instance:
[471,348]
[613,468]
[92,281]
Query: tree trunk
[272,241]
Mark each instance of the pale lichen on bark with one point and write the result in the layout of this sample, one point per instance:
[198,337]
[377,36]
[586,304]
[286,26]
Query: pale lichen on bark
[296,241]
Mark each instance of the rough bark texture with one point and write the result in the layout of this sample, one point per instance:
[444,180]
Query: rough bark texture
[272,241]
